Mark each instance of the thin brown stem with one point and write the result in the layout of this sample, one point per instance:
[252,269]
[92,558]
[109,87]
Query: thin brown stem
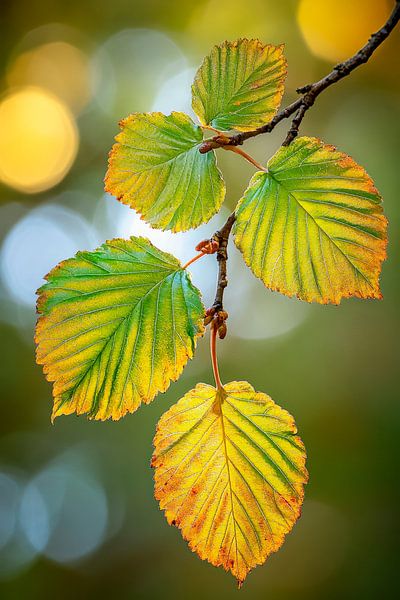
[213,352]
[298,108]
[209,128]
[192,260]
[294,128]
[222,236]
[246,156]
[310,92]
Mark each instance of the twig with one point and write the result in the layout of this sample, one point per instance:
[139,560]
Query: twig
[294,128]
[298,108]
[310,92]
[222,236]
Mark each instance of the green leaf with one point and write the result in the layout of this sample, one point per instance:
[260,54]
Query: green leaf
[229,472]
[239,85]
[156,168]
[116,326]
[313,225]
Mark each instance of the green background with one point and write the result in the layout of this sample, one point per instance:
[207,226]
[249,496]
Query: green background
[77,513]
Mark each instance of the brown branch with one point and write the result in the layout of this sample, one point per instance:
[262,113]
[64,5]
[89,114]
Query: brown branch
[222,236]
[310,92]
[298,108]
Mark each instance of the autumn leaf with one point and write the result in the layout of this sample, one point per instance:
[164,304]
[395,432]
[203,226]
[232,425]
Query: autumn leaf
[156,168]
[229,472]
[116,326]
[313,225]
[239,85]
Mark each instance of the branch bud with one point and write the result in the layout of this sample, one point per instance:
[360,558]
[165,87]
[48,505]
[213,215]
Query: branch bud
[209,316]
[207,246]
[222,331]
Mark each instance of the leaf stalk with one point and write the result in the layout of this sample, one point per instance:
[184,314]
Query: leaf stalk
[192,260]
[213,352]
[246,156]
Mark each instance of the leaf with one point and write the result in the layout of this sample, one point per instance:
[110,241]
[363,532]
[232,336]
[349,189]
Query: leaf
[116,326]
[239,85]
[229,472]
[156,168]
[313,225]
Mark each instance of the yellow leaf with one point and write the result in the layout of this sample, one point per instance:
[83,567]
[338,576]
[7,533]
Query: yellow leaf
[156,168]
[229,472]
[239,85]
[313,225]
[116,326]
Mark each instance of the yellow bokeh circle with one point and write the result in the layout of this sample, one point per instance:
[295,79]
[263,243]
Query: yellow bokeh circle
[58,67]
[336,29]
[38,142]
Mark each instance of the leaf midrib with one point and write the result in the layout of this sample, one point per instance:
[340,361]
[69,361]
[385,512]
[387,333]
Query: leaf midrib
[123,321]
[227,461]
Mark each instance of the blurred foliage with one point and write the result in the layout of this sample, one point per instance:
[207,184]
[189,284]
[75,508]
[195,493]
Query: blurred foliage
[334,368]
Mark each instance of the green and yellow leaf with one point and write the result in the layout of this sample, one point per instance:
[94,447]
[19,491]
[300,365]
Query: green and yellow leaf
[229,472]
[239,85]
[116,326]
[313,225]
[156,168]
